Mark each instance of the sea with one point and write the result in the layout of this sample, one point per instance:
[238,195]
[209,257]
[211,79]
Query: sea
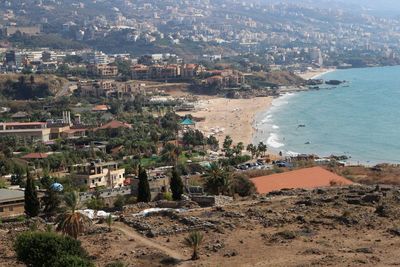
[359,119]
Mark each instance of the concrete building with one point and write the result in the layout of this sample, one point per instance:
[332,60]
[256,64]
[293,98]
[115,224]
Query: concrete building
[11,203]
[36,131]
[104,70]
[28,30]
[97,57]
[98,174]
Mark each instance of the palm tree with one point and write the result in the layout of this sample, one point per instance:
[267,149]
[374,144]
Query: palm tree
[217,180]
[238,149]
[194,241]
[262,148]
[170,154]
[72,222]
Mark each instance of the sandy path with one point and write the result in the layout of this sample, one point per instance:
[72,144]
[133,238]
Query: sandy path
[128,231]
[232,117]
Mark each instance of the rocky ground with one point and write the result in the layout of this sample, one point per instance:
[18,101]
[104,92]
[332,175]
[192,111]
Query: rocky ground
[351,226]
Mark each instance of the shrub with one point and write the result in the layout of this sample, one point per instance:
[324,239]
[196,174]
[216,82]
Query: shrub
[167,196]
[286,234]
[73,261]
[47,249]
[116,264]
[119,202]
[242,186]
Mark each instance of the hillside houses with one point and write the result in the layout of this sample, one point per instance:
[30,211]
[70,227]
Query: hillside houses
[168,71]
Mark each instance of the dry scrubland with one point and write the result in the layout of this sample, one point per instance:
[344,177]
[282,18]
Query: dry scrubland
[351,226]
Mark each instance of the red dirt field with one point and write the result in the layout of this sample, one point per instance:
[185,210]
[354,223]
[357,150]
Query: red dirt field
[305,178]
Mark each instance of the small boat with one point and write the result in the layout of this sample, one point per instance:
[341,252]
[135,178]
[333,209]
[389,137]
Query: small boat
[307,143]
[301,126]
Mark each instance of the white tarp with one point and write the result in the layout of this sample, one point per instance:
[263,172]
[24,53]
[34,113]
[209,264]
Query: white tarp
[100,214]
[146,212]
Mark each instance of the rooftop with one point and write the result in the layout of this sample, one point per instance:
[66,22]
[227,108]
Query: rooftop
[307,178]
[114,125]
[23,123]
[187,121]
[100,108]
[10,195]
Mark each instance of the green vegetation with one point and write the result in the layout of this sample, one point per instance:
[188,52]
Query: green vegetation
[52,199]
[194,241]
[168,196]
[23,89]
[144,194]
[216,180]
[53,41]
[242,186]
[47,249]
[109,221]
[176,185]
[119,202]
[116,264]
[32,205]
[71,222]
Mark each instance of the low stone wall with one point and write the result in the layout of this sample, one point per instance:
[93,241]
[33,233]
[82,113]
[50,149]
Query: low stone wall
[211,201]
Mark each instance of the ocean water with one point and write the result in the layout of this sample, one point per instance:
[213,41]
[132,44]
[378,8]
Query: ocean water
[361,121]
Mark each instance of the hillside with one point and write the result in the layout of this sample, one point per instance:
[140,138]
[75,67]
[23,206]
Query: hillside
[20,87]
[348,226]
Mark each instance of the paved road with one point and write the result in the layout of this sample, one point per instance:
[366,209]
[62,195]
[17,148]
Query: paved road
[65,89]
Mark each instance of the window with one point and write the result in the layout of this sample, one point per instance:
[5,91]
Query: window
[1,209]
[11,208]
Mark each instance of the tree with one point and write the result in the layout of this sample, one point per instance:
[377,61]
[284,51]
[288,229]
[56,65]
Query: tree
[72,222]
[194,241]
[252,149]
[227,142]
[213,143]
[119,202]
[242,186]
[51,199]
[170,154]
[262,148]
[238,149]
[176,185]
[32,205]
[144,194]
[47,249]
[217,180]
[193,138]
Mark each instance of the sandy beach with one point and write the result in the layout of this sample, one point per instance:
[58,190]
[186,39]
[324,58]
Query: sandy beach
[314,74]
[234,117]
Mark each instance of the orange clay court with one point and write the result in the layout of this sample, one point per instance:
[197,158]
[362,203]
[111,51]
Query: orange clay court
[305,178]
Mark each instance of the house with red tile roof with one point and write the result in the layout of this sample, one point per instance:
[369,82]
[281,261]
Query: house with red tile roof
[100,108]
[115,125]
[307,178]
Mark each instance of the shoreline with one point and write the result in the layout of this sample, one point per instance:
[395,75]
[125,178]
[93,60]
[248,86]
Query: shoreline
[315,74]
[233,117]
[268,136]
